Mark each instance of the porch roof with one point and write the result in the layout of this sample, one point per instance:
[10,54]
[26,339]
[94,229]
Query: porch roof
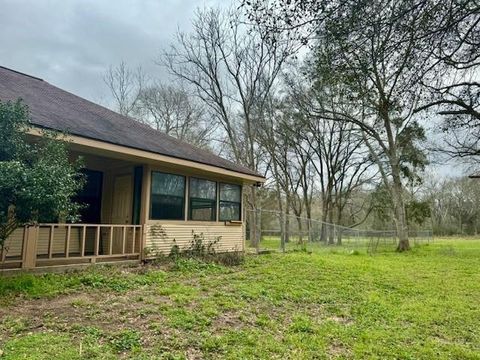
[53,108]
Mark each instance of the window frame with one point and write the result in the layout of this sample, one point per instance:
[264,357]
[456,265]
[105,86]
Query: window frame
[184,210]
[240,203]
[216,200]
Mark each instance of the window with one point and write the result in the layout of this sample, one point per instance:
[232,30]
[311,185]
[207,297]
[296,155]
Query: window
[230,202]
[202,200]
[167,200]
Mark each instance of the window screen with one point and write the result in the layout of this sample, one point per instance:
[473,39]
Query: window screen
[203,200]
[230,202]
[167,199]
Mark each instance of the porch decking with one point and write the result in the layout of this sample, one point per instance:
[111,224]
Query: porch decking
[46,245]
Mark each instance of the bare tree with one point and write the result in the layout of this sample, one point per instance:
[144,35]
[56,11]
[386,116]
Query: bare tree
[274,139]
[169,109]
[290,165]
[125,86]
[175,112]
[455,204]
[309,153]
[232,71]
[338,152]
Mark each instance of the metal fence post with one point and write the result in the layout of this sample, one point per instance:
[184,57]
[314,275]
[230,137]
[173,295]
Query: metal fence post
[309,222]
[258,216]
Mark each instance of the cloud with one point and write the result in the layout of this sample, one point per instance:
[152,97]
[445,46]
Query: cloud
[71,43]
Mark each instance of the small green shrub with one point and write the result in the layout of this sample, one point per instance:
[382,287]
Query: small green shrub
[175,252]
[92,331]
[302,324]
[193,265]
[14,325]
[200,247]
[96,280]
[153,253]
[234,258]
[203,249]
[22,283]
[125,340]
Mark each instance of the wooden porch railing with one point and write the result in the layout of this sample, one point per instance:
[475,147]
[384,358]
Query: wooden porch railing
[8,260]
[64,244]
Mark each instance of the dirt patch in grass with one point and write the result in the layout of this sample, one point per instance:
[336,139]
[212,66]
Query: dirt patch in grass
[337,350]
[228,320]
[341,320]
[108,312]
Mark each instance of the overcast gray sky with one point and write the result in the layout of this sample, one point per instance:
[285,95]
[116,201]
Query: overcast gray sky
[71,43]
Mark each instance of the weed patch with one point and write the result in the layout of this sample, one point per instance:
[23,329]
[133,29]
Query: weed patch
[125,340]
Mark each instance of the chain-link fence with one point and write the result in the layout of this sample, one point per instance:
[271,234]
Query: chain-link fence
[272,230]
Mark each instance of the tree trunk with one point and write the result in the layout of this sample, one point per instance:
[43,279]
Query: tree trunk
[339,222]
[323,232]
[253,225]
[324,229]
[400,214]
[331,227]
[281,219]
[396,188]
[308,209]
[287,223]
[300,229]
[309,229]
[253,217]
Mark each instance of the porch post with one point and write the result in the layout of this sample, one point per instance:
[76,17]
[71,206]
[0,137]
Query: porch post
[30,247]
[145,206]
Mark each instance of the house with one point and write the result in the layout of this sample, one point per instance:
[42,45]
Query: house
[145,190]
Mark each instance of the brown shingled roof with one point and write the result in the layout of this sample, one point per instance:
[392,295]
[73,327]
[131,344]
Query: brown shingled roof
[56,109]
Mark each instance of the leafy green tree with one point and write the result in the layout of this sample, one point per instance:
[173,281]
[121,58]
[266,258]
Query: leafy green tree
[37,180]
[378,56]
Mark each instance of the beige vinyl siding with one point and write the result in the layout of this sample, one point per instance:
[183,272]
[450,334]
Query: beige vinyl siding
[59,237]
[161,236]
[13,245]
[15,241]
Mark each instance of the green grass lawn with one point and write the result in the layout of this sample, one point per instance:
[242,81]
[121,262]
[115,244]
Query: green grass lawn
[328,304]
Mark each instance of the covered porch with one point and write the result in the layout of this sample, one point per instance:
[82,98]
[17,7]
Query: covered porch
[110,226]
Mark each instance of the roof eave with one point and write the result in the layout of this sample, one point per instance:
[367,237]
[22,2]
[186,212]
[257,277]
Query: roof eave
[151,156]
